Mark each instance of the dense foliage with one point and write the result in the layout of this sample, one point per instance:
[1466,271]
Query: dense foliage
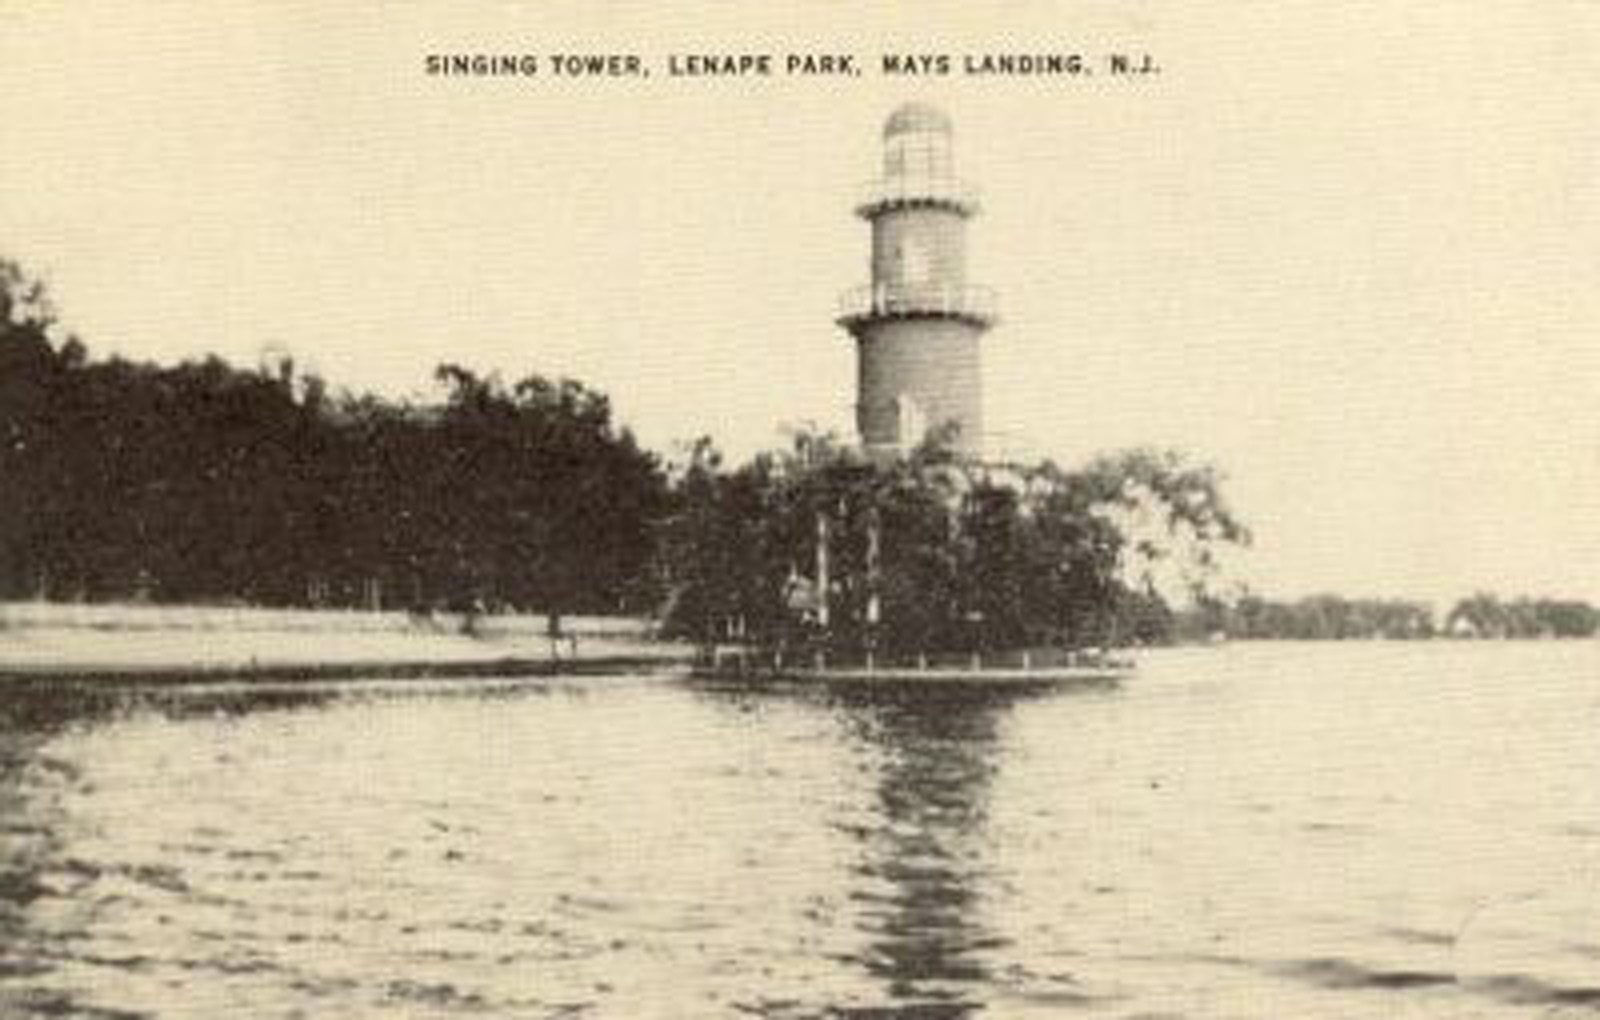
[204,482]
[931,554]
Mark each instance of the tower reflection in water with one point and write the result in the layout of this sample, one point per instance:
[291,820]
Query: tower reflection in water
[925,860]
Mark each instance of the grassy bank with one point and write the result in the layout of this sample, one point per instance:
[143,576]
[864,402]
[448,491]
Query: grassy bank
[171,642]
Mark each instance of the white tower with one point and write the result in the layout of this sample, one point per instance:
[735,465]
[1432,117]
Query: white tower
[919,323]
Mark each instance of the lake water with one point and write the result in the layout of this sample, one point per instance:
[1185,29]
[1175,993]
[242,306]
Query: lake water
[1253,831]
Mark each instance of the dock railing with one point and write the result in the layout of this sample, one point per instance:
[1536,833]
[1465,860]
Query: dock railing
[745,660]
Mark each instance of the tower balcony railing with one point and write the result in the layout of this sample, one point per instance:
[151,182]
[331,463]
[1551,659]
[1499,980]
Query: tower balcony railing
[894,191]
[884,301]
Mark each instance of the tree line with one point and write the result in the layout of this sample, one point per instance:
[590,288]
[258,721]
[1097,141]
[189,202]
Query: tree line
[203,482]
[1333,618]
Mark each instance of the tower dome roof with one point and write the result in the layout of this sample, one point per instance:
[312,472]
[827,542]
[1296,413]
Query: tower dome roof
[911,118]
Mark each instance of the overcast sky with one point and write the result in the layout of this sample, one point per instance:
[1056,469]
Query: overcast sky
[1348,252]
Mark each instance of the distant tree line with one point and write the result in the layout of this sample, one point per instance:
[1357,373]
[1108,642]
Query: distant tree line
[204,482]
[1485,615]
[1316,618]
[1333,618]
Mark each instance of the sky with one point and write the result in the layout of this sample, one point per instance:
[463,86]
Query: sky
[1345,252]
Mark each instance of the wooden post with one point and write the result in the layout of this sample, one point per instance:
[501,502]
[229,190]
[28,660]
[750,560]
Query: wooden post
[822,569]
[873,607]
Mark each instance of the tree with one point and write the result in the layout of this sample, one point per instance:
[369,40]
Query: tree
[204,482]
[929,552]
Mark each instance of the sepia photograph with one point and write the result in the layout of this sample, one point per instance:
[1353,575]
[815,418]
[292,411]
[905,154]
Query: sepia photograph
[1027,510]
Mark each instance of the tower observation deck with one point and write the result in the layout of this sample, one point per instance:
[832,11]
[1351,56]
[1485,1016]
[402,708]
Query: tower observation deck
[919,322]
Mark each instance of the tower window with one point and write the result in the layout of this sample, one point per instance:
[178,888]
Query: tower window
[918,155]
[916,263]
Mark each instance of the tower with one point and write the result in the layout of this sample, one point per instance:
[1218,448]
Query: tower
[918,325]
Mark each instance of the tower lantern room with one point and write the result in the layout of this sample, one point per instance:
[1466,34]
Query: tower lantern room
[918,323]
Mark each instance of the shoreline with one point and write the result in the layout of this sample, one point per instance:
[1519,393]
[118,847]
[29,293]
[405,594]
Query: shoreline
[310,672]
[177,644]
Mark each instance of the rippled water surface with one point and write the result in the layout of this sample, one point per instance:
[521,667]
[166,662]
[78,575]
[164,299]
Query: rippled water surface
[1254,831]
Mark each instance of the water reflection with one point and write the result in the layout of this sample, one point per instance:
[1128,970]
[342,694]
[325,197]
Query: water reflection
[924,862]
[33,862]
[49,903]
